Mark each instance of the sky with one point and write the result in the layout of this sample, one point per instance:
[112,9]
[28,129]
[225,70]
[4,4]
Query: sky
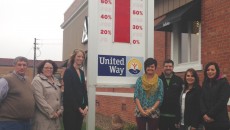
[21,21]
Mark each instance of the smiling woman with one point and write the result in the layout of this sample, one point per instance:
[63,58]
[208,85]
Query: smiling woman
[214,99]
[47,93]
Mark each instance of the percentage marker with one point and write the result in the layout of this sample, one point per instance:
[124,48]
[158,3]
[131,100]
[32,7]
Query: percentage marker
[104,16]
[106,2]
[137,12]
[137,27]
[105,32]
[136,42]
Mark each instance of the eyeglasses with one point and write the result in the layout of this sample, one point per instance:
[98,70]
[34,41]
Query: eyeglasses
[48,68]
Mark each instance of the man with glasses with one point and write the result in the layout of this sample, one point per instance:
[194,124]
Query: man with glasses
[16,98]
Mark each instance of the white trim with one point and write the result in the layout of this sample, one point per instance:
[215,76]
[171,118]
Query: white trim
[184,67]
[229,101]
[130,95]
[149,4]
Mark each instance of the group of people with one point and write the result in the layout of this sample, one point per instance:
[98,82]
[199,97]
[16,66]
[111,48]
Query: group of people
[41,104]
[164,102]
[168,102]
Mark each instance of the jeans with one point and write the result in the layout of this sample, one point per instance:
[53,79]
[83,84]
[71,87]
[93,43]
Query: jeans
[15,125]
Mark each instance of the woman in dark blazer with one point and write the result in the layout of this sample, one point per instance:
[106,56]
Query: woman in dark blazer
[75,100]
[214,98]
[190,101]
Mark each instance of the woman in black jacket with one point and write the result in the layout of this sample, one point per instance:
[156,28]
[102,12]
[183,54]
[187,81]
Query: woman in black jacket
[75,100]
[190,101]
[214,99]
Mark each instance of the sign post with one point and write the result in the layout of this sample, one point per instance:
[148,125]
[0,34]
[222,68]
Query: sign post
[120,39]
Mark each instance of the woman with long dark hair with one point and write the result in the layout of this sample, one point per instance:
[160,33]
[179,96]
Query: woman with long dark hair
[214,98]
[190,101]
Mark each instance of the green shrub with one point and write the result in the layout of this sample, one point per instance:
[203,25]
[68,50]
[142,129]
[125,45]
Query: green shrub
[129,126]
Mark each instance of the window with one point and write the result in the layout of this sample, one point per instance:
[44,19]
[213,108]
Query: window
[186,45]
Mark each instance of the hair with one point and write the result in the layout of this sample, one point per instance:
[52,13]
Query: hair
[149,62]
[217,70]
[20,58]
[42,64]
[72,57]
[168,61]
[194,73]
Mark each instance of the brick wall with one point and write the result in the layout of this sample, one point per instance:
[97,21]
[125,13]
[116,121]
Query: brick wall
[123,106]
[216,33]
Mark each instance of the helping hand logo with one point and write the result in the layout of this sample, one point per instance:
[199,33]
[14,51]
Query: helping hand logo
[134,66]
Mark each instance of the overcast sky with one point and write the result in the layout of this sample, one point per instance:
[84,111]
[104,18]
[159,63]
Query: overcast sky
[23,20]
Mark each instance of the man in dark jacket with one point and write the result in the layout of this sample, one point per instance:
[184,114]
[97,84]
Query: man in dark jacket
[170,108]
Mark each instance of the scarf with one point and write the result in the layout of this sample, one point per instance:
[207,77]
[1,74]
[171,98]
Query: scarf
[150,86]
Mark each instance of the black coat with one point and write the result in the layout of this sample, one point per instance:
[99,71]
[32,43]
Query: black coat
[74,97]
[214,101]
[171,100]
[192,114]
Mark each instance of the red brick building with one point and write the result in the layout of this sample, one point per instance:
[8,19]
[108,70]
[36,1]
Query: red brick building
[190,32]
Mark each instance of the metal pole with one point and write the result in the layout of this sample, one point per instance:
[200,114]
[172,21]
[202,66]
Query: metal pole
[34,56]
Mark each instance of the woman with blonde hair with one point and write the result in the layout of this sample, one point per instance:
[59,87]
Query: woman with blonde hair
[75,98]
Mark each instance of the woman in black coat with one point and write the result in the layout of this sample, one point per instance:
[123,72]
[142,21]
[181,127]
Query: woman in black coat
[75,100]
[190,101]
[214,99]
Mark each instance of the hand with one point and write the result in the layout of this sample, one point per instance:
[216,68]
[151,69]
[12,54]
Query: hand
[192,128]
[86,111]
[177,125]
[148,112]
[55,115]
[207,119]
[83,113]
[143,113]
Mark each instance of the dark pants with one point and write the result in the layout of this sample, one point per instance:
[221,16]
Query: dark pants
[167,123]
[183,127]
[152,123]
[215,128]
[72,120]
[15,125]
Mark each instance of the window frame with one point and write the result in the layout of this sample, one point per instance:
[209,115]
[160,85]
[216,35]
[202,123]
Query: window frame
[175,40]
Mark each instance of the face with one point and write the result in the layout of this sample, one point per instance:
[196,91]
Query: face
[211,71]
[79,58]
[47,70]
[190,79]
[150,70]
[21,67]
[168,68]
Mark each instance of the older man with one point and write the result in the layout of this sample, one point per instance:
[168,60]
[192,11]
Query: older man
[16,98]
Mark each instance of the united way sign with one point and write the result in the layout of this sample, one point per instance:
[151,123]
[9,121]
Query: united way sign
[121,66]
[120,39]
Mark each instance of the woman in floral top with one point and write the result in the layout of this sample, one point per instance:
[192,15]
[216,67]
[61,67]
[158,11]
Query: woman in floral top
[148,96]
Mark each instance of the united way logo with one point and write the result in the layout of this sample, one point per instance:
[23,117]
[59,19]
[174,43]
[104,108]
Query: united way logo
[134,66]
